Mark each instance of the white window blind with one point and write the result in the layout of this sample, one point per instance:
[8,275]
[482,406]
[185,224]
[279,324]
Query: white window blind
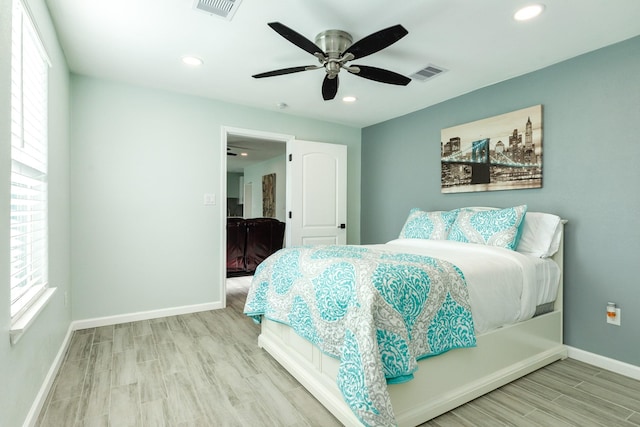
[29,219]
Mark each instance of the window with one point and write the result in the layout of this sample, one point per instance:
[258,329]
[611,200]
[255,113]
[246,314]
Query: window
[29,218]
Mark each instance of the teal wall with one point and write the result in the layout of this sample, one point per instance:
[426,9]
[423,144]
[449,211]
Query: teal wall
[141,160]
[233,184]
[132,167]
[253,174]
[24,365]
[591,140]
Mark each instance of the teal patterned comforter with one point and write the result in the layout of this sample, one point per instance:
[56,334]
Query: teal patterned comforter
[377,311]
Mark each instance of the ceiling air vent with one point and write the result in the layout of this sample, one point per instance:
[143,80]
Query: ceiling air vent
[428,72]
[223,8]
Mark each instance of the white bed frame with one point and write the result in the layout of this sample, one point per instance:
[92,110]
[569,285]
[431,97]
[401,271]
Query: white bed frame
[441,383]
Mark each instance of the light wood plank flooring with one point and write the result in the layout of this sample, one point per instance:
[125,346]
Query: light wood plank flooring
[205,369]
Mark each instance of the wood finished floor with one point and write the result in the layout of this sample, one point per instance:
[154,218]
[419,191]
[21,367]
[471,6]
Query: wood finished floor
[205,369]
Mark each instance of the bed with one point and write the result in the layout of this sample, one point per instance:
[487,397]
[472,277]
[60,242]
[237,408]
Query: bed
[506,321]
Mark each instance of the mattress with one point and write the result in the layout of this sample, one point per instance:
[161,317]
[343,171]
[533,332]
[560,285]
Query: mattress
[505,286]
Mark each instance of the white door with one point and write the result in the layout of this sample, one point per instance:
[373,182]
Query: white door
[316,193]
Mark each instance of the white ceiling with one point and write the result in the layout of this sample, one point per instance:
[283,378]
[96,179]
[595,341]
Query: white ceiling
[257,150]
[478,42]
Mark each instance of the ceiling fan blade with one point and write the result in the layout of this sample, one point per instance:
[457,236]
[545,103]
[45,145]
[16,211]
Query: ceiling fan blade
[296,38]
[329,88]
[380,75]
[284,71]
[377,41]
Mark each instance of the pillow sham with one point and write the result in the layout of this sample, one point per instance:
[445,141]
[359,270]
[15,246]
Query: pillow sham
[541,234]
[428,225]
[493,227]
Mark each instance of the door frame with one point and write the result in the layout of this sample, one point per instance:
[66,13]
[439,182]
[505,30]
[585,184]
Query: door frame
[225,132]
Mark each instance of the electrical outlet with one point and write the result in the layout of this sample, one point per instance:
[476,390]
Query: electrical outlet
[66,298]
[614,320]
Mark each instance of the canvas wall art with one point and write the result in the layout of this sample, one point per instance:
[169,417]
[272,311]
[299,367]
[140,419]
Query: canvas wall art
[269,195]
[498,153]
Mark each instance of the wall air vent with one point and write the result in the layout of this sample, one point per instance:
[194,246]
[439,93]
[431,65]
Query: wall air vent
[223,8]
[427,73]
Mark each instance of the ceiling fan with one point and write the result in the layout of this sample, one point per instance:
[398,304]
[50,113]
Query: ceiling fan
[233,150]
[334,48]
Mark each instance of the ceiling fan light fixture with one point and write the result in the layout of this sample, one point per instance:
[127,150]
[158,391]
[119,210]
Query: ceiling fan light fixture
[349,99]
[334,42]
[192,61]
[528,12]
[334,48]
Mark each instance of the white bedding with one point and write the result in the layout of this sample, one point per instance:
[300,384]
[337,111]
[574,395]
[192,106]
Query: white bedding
[504,286]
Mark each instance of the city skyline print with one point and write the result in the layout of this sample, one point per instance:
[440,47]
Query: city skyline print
[503,152]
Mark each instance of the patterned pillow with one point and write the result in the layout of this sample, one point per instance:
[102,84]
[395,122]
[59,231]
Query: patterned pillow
[428,225]
[496,227]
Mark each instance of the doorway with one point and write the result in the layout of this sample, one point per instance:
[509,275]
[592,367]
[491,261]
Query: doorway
[260,149]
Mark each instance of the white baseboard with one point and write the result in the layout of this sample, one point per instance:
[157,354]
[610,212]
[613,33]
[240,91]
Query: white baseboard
[613,365]
[143,315]
[622,368]
[41,397]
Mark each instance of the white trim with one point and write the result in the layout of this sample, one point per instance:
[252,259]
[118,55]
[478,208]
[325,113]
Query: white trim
[622,368]
[143,315]
[41,47]
[41,397]
[24,320]
[225,132]
[222,191]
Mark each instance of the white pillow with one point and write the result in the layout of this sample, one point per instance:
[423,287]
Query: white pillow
[541,233]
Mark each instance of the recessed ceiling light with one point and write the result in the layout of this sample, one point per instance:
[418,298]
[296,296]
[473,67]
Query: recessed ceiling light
[349,99]
[528,12]
[194,61]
